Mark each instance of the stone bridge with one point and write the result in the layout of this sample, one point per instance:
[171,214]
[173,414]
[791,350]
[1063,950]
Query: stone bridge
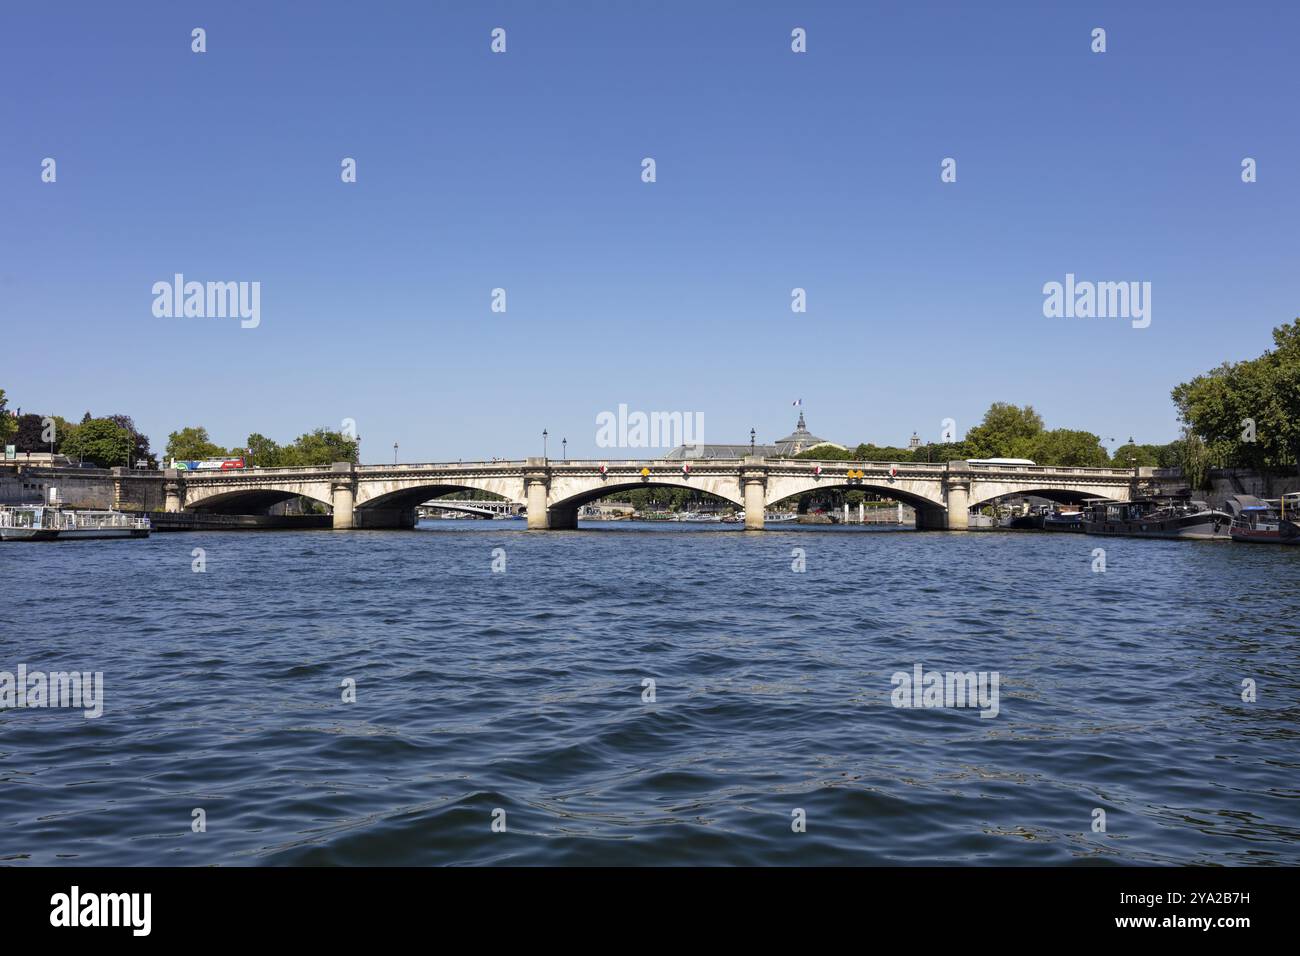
[386,496]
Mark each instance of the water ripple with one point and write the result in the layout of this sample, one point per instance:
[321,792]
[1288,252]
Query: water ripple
[524,699]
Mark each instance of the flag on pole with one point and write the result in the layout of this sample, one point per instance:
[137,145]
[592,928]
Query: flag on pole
[798,403]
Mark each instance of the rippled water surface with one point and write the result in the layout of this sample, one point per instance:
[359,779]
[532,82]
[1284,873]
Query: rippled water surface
[524,691]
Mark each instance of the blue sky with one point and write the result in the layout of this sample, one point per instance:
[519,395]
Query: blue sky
[522,171]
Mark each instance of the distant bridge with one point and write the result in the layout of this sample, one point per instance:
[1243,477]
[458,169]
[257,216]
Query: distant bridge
[553,492]
[483,509]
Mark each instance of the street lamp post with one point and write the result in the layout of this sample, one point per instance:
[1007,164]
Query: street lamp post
[394,453]
[751,442]
[543,444]
[564,448]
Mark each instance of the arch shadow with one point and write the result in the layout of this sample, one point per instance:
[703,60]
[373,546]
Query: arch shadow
[1061,496]
[247,502]
[410,498]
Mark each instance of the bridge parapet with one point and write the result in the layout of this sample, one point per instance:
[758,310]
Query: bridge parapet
[1051,470]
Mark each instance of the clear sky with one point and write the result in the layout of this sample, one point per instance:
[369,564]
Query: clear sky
[523,171]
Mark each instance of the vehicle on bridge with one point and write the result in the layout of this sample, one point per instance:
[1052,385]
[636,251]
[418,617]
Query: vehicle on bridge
[209,464]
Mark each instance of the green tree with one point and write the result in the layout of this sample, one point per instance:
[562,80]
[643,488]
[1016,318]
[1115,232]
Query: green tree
[263,452]
[1068,448]
[321,447]
[1194,460]
[1157,456]
[100,441]
[64,430]
[942,451]
[826,453]
[30,434]
[192,444]
[139,443]
[8,425]
[1247,413]
[1007,431]
[872,452]
[1131,453]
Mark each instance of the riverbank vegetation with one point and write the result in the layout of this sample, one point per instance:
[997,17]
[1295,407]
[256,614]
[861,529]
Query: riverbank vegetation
[110,441]
[1006,431]
[105,442]
[1247,413]
[321,446]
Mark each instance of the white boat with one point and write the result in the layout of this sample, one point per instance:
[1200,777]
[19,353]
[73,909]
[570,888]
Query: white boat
[52,523]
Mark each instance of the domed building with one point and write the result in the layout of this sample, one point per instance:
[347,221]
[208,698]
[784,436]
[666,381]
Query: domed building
[798,441]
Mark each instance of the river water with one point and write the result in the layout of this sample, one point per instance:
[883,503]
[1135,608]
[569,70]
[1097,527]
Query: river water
[520,698]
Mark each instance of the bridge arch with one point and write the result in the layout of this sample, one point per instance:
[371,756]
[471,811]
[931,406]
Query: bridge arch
[616,486]
[929,512]
[245,501]
[413,495]
[907,497]
[392,503]
[981,496]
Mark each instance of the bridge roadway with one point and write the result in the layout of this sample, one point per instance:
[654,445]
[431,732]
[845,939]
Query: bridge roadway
[386,496]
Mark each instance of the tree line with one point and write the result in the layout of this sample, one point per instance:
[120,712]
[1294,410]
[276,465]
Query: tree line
[1240,415]
[113,440]
[1013,431]
[104,441]
[1247,414]
[320,446]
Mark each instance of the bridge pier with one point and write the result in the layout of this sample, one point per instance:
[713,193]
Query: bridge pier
[173,492]
[537,484]
[957,493]
[343,495]
[753,480]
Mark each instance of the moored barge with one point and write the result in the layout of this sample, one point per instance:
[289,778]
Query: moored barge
[53,523]
[1265,520]
[1171,516]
